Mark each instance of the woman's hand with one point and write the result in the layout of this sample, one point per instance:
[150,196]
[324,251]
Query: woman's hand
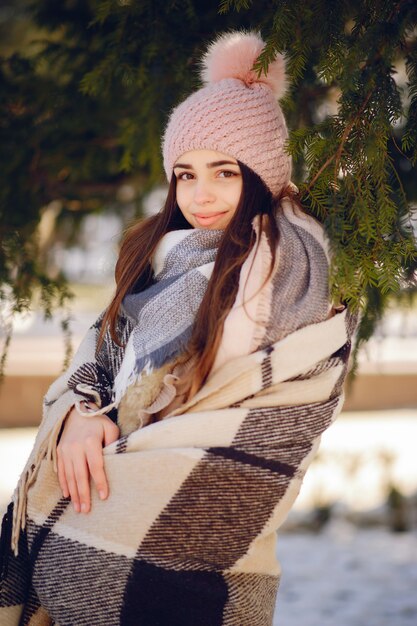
[80,454]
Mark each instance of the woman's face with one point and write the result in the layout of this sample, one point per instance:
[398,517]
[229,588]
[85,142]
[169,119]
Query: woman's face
[209,185]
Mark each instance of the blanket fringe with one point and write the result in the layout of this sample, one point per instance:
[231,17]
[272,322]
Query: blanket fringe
[47,450]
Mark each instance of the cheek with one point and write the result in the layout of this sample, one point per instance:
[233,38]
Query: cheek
[183,203]
[181,198]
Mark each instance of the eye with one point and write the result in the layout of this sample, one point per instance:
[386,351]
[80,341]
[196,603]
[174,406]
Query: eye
[228,172]
[180,176]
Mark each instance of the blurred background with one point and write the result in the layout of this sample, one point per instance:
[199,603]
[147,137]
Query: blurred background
[349,547]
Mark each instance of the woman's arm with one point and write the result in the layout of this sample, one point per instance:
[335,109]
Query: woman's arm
[89,378]
[80,455]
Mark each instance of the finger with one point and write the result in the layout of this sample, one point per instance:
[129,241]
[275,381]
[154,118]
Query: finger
[61,477]
[72,484]
[82,478]
[95,462]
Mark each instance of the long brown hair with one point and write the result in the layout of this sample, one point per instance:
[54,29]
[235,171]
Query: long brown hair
[134,273]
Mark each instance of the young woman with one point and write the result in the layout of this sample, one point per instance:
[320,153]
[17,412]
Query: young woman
[182,430]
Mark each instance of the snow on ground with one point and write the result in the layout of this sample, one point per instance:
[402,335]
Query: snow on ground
[346,576]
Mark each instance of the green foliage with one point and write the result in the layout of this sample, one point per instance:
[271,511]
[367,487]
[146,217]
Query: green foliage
[347,163]
[87,86]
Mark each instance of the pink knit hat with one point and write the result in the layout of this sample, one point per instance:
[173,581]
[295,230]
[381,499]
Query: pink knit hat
[235,112]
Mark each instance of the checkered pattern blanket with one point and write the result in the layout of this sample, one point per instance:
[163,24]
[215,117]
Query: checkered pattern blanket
[188,534]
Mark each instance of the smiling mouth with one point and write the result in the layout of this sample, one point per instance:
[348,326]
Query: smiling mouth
[208,215]
[208,219]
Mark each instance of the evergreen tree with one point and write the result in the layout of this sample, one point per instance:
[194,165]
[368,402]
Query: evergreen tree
[348,161]
[86,91]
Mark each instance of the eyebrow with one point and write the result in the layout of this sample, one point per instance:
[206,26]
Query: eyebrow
[188,166]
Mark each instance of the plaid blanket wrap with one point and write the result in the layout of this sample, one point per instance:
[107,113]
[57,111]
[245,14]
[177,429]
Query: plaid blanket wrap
[187,536]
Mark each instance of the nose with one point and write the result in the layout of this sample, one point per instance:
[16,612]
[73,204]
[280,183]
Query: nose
[202,193]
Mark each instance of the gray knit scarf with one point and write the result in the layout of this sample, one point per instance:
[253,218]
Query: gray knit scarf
[164,313]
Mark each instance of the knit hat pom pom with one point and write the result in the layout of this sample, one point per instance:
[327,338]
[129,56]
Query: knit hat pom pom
[232,55]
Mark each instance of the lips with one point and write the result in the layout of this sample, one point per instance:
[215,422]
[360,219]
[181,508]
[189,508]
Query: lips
[206,219]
